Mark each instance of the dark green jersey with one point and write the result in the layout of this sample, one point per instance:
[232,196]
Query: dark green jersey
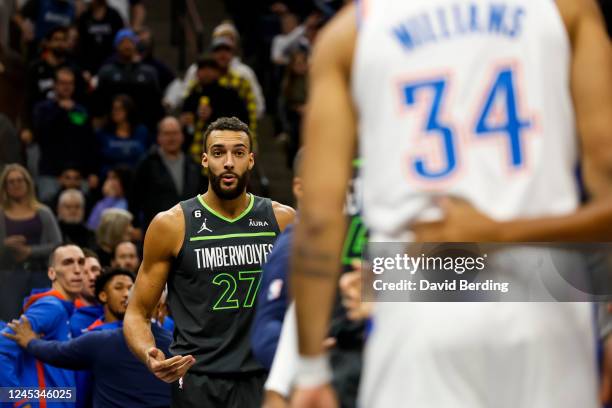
[214,283]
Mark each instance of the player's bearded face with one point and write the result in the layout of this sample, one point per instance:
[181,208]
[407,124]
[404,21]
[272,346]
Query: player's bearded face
[228,184]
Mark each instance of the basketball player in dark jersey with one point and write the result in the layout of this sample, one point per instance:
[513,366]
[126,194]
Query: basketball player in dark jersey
[209,250]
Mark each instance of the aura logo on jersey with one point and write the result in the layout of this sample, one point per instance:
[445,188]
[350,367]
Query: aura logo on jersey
[255,223]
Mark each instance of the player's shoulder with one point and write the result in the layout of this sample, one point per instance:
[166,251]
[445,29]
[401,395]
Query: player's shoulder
[284,214]
[572,11]
[169,224]
[169,217]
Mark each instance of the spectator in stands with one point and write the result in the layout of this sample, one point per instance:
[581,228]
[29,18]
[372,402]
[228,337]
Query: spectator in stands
[70,217]
[28,229]
[207,102]
[12,84]
[123,141]
[41,73]
[165,176]
[71,177]
[290,37]
[10,145]
[88,308]
[104,351]
[114,190]
[72,43]
[293,99]
[62,130]
[146,49]
[126,257]
[48,311]
[227,29]
[97,28]
[115,227]
[125,74]
[132,12]
[223,51]
[37,17]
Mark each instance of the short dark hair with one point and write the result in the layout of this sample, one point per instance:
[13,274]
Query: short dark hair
[51,259]
[65,68]
[106,277]
[90,254]
[117,246]
[57,29]
[127,103]
[233,124]
[207,61]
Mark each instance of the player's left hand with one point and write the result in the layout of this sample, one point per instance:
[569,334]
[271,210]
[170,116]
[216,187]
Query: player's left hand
[605,389]
[23,332]
[168,370]
[322,396]
[461,223]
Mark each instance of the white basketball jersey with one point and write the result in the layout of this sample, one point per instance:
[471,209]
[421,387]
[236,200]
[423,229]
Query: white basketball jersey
[463,98]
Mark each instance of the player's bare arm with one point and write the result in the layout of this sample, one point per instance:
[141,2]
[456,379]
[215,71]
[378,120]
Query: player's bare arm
[162,242]
[591,86]
[284,214]
[329,138]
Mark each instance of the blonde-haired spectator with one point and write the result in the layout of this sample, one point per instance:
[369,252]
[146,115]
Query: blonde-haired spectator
[28,234]
[115,227]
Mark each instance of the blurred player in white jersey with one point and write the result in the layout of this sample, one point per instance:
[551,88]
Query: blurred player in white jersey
[489,101]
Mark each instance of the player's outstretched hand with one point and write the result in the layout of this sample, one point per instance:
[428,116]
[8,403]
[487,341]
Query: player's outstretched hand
[168,370]
[317,397]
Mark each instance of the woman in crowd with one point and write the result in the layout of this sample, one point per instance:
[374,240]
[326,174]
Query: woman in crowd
[115,227]
[28,234]
[114,190]
[122,141]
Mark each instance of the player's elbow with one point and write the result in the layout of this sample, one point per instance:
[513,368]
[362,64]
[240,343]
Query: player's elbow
[314,221]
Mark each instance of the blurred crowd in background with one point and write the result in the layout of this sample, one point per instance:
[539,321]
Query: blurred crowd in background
[97,135]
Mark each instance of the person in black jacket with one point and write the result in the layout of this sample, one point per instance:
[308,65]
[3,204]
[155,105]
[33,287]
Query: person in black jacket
[125,74]
[63,132]
[97,26]
[165,175]
[208,101]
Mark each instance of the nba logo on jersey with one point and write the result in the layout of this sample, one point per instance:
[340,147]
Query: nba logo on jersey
[274,290]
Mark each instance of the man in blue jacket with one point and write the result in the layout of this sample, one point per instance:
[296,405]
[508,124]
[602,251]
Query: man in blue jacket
[120,380]
[48,311]
[88,308]
[112,290]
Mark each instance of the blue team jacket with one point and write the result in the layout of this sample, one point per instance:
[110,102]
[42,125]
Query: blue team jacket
[49,314]
[272,300]
[83,317]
